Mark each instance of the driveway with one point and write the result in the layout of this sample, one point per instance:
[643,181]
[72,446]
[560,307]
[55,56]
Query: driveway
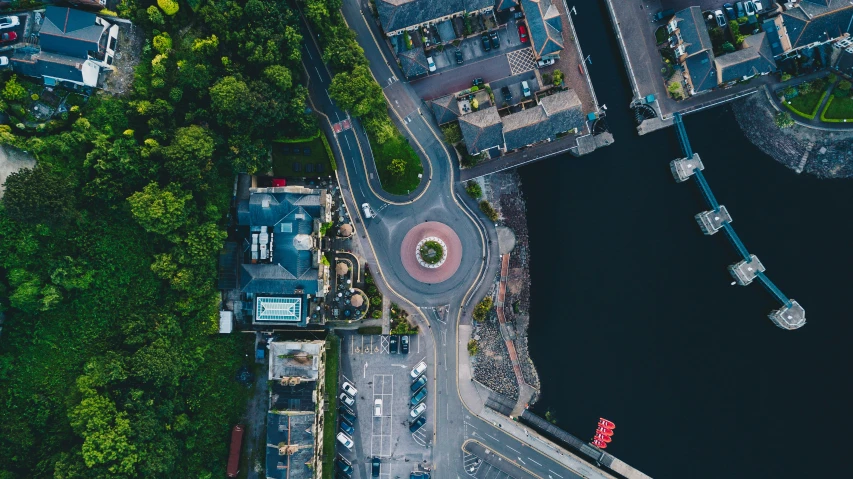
[451,81]
[514,85]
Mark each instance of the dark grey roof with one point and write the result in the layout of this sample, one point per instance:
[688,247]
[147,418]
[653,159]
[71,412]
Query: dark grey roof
[290,429]
[506,4]
[481,130]
[413,62]
[445,109]
[543,20]
[694,34]
[769,27]
[292,398]
[807,22]
[554,114]
[756,57]
[399,14]
[45,64]
[702,73]
[70,32]
[229,260]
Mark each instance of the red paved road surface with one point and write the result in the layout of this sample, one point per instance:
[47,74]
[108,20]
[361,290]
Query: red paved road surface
[410,245]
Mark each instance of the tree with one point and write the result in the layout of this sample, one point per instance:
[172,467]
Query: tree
[397,167]
[558,77]
[162,42]
[357,92]
[14,91]
[482,309]
[279,76]
[229,98]
[105,433]
[159,210]
[473,189]
[169,7]
[316,11]
[39,196]
[844,85]
[784,120]
[787,76]
[452,133]
[190,155]
[342,52]
[155,15]
[728,47]
[805,88]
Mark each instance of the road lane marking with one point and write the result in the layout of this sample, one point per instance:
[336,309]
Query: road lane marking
[319,77]
[517,452]
[534,462]
[522,461]
[493,437]
[554,473]
[347,140]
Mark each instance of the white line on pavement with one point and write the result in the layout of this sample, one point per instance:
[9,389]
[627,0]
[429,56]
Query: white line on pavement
[522,461]
[493,437]
[531,460]
[554,473]
[517,452]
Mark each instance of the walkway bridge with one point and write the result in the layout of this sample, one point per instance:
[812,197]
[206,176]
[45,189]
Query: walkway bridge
[790,315]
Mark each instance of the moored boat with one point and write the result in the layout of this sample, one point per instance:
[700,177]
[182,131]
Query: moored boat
[603,438]
[599,444]
[606,424]
[606,432]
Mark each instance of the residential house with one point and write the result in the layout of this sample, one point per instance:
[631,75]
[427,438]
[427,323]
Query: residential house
[546,26]
[413,62]
[73,47]
[445,109]
[555,114]
[482,130]
[812,22]
[777,36]
[506,4]
[692,47]
[398,16]
[755,58]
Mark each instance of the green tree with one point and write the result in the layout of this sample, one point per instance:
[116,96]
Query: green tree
[728,47]
[155,15]
[784,120]
[189,156]
[230,98]
[162,42]
[787,76]
[805,88]
[316,11]
[482,309]
[279,76]
[39,196]
[397,167]
[342,51]
[357,92]
[169,7]
[452,133]
[558,77]
[105,433]
[159,210]
[473,189]
[14,91]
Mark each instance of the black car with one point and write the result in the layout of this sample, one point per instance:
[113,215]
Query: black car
[496,40]
[507,95]
[477,82]
[486,45]
[347,427]
[374,467]
[395,340]
[404,342]
[344,467]
[419,422]
[418,384]
[347,415]
[730,11]
[459,59]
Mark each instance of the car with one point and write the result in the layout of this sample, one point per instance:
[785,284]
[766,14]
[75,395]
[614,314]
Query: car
[4,61]
[404,344]
[740,10]
[525,89]
[368,213]
[394,341]
[418,370]
[664,14]
[522,33]
[377,407]
[750,8]
[345,440]
[8,37]
[496,40]
[419,475]
[545,62]
[431,64]
[346,399]
[758,6]
[347,428]
[418,384]
[730,11]
[417,410]
[9,22]
[419,423]
[518,14]
[487,45]
[349,389]
[417,398]
[374,467]
[721,19]
[477,82]
[347,415]
[344,467]
[506,93]
[459,59]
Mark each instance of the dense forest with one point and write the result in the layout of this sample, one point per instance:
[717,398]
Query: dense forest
[110,361]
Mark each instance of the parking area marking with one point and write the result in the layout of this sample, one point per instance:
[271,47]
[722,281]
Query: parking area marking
[420,436]
[521,61]
[383,345]
[380,438]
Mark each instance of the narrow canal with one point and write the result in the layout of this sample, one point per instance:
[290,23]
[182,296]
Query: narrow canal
[633,315]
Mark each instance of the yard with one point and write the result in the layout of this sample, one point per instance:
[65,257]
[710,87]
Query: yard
[396,148]
[304,158]
[838,108]
[805,104]
[661,35]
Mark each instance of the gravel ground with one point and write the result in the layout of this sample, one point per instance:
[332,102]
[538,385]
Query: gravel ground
[492,366]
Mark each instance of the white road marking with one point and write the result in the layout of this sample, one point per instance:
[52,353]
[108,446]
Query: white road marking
[493,437]
[318,73]
[517,452]
[531,460]
[347,140]
[522,461]
[554,473]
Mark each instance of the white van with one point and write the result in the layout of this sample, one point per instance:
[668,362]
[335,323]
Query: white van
[368,213]
[525,89]
[345,440]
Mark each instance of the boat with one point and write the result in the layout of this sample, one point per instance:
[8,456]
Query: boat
[603,438]
[599,444]
[606,424]
[606,432]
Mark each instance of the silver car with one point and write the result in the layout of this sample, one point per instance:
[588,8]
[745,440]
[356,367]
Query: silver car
[418,410]
[9,22]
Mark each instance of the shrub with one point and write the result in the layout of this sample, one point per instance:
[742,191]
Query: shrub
[787,76]
[784,120]
[844,85]
[805,88]
[558,77]
[376,314]
[14,91]
[370,329]
[473,189]
[831,77]
[472,347]
[35,97]
[452,133]
[487,209]
[728,47]
[482,309]
[169,7]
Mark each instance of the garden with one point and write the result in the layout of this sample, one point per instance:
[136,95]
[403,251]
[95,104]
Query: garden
[805,99]
[302,157]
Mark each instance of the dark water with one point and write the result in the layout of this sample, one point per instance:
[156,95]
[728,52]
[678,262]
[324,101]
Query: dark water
[633,315]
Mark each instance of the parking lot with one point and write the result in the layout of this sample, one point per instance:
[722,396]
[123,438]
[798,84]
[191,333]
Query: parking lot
[382,405]
[514,85]
[19,32]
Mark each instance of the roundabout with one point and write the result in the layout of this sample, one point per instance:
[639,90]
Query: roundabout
[431,252]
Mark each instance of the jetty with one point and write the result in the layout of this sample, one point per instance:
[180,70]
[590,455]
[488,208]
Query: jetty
[790,315]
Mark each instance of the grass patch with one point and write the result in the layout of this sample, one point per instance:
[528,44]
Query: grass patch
[289,159]
[370,330]
[661,34]
[837,110]
[806,105]
[330,422]
[396,148]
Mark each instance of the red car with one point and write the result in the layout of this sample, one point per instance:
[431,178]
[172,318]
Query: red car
[8,37]
[522,33]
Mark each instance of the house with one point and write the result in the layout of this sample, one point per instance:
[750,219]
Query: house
[398,16]
[755,58]
[777,35]
[413,62]
[482,130]
[282,269]
[506,4]
[73,47]
[555,114]
[546,26]
[692,48]
[292,445]
[813,22]
[445,109]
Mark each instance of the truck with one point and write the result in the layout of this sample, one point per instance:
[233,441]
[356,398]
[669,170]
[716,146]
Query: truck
[234,456]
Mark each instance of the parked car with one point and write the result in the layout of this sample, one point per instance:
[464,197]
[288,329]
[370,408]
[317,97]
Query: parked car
[349,389]
[374,467]
[347,428]
[347,415]
[730,11]
[546,62]
[750,8]
[664,14]
[525,89]
[758,6]
[404,341]
[418,384]
[518,14]
[721,19]
[4,61]
[7,37]
[507,94]
[345,468]
[417,410]
[459,59]
[522,33]
[740,10]
[417,398]
[487,45]
[418,370]
[346,399]
[377,407]
[9,22]
[431,64]
[419,423]
[368,212]
[477,82]
[394,342]
[345,440]
[496,40]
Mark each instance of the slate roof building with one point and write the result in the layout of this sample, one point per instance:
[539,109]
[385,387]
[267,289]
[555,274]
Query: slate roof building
[482,130]
[445,109]
[73,47]
[293,444]
[282,269]
[692,47]
[777,35]
[813,22]
[756,58]
[397,16]
[555,114]
[413,62]
[506,4]
[546,26]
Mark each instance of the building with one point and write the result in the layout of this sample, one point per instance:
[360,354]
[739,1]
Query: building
[755,58]
[810,23]
[445,109]
[482,130]
[73,47]
[692,48]
[413,63]
[398,16]
[546,26]
[282,273]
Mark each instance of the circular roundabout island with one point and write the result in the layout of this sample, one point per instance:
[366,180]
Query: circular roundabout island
[431,252]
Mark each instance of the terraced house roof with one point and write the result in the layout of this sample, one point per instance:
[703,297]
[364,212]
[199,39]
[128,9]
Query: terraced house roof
[400,14]
[691,26]
[481,130]
[546,26]
[445,109]
[413,62]
[703,76]
[807,22]
[755,58]
[553,115]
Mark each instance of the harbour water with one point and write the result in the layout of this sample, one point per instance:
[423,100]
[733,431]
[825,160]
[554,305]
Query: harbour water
[634,317]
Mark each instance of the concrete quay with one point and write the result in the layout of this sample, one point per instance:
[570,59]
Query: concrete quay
[682,169]
[712,221]
[789,317]
[744,271]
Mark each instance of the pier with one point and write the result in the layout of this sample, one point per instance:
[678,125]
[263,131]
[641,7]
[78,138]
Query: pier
[790,315]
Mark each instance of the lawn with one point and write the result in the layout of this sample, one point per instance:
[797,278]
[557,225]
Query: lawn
[305,158]
[330,422]
[806,104]
[838,108]
[392,149]
[661,34]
